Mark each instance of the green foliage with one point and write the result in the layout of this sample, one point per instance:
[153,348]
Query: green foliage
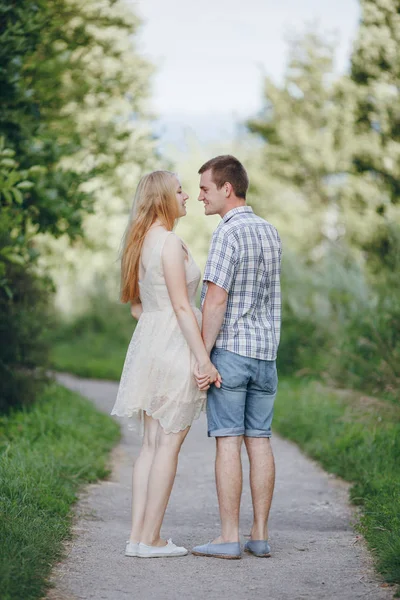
[21,25]
[104,90]
[299,123]
[55,204]
[296,118]
[73,127]
[367,353]
[16,222]
[357,438]
[23,295]
[72,101]
[23,349]
[46,454]
[376,72]
[338,326]
[341,249]
[310,128]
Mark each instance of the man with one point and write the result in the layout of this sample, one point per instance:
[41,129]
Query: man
[241,306]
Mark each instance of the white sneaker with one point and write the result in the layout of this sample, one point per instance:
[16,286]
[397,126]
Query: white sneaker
[131,548]
[170,549]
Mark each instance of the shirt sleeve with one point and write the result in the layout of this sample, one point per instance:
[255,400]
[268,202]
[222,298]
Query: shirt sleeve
[221,262]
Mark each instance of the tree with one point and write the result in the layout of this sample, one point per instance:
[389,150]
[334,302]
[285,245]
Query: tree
[329,155]
[76,133]
[375,68]
[105,85]
[305,127]
[54,204]
[312,142]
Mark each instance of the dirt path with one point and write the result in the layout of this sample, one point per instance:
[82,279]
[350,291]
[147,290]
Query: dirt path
[316,553]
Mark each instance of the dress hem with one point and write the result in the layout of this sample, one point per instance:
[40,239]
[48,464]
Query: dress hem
[139,413]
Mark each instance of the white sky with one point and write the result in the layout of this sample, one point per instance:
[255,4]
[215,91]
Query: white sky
[211,54]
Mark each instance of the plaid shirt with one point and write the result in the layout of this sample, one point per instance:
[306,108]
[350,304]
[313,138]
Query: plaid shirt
[244,260]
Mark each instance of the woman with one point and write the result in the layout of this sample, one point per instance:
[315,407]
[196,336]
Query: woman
[160,278]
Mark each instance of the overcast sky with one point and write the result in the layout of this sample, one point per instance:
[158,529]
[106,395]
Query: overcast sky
[211,55]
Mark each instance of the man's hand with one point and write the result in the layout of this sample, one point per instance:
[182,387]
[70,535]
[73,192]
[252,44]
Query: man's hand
[204,380]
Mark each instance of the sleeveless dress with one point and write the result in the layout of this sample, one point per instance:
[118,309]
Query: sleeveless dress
[157,377]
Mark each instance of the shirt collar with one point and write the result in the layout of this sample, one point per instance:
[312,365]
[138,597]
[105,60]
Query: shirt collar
[235,211]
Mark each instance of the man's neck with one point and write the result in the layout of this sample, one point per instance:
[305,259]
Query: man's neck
[234,203]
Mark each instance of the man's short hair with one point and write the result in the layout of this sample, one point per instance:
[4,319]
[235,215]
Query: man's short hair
[229,169]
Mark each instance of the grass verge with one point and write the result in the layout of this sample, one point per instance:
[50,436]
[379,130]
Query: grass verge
[46,454]
[91,355]
[357,438]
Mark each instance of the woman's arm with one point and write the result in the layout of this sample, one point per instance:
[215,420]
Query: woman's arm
[175,278]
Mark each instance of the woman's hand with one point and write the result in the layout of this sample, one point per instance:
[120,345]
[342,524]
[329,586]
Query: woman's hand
[136,310]
[206,375]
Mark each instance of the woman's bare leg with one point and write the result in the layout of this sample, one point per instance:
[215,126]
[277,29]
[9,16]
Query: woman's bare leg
[140,476]
[160,482]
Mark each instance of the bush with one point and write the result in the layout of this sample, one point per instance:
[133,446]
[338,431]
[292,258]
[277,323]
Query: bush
[368,353]
[24,349]
[338,326]
[24,296]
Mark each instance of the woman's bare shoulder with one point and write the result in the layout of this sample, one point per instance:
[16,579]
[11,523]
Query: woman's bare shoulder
[174,244]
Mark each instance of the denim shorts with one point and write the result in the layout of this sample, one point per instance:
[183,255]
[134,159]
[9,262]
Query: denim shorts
[244,404]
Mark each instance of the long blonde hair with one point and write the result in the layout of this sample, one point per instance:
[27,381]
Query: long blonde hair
[155,198]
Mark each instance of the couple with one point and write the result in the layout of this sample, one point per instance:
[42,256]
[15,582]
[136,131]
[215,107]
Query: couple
[179,357]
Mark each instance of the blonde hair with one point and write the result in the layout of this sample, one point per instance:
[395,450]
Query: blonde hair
[155,198]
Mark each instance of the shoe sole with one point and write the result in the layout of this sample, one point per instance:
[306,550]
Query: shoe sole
[130,553]
[226,556]
[162,555]
[258,555]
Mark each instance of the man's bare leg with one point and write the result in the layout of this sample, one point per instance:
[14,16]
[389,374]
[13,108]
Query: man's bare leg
[262,482]
[228,477]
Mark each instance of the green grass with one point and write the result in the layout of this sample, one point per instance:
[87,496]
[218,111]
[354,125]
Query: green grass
[46,454]
[91,356]
[94,345]
[357,438]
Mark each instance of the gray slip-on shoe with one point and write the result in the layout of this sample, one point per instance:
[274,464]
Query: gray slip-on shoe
[231,550]
[259,548]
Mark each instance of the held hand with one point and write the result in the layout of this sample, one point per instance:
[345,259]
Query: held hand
[207,375]
[203,381]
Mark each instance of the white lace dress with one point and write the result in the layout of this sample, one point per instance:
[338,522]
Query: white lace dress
[158,372]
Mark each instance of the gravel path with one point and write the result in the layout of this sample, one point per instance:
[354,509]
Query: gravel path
[316,553]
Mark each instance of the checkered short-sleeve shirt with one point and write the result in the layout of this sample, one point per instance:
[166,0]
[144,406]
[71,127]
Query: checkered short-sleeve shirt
[245,260]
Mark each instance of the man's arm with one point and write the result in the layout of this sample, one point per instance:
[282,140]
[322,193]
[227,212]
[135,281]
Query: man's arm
[214,309]
[219,274]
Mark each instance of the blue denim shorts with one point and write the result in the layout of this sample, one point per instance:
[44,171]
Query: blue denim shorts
[244,404]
